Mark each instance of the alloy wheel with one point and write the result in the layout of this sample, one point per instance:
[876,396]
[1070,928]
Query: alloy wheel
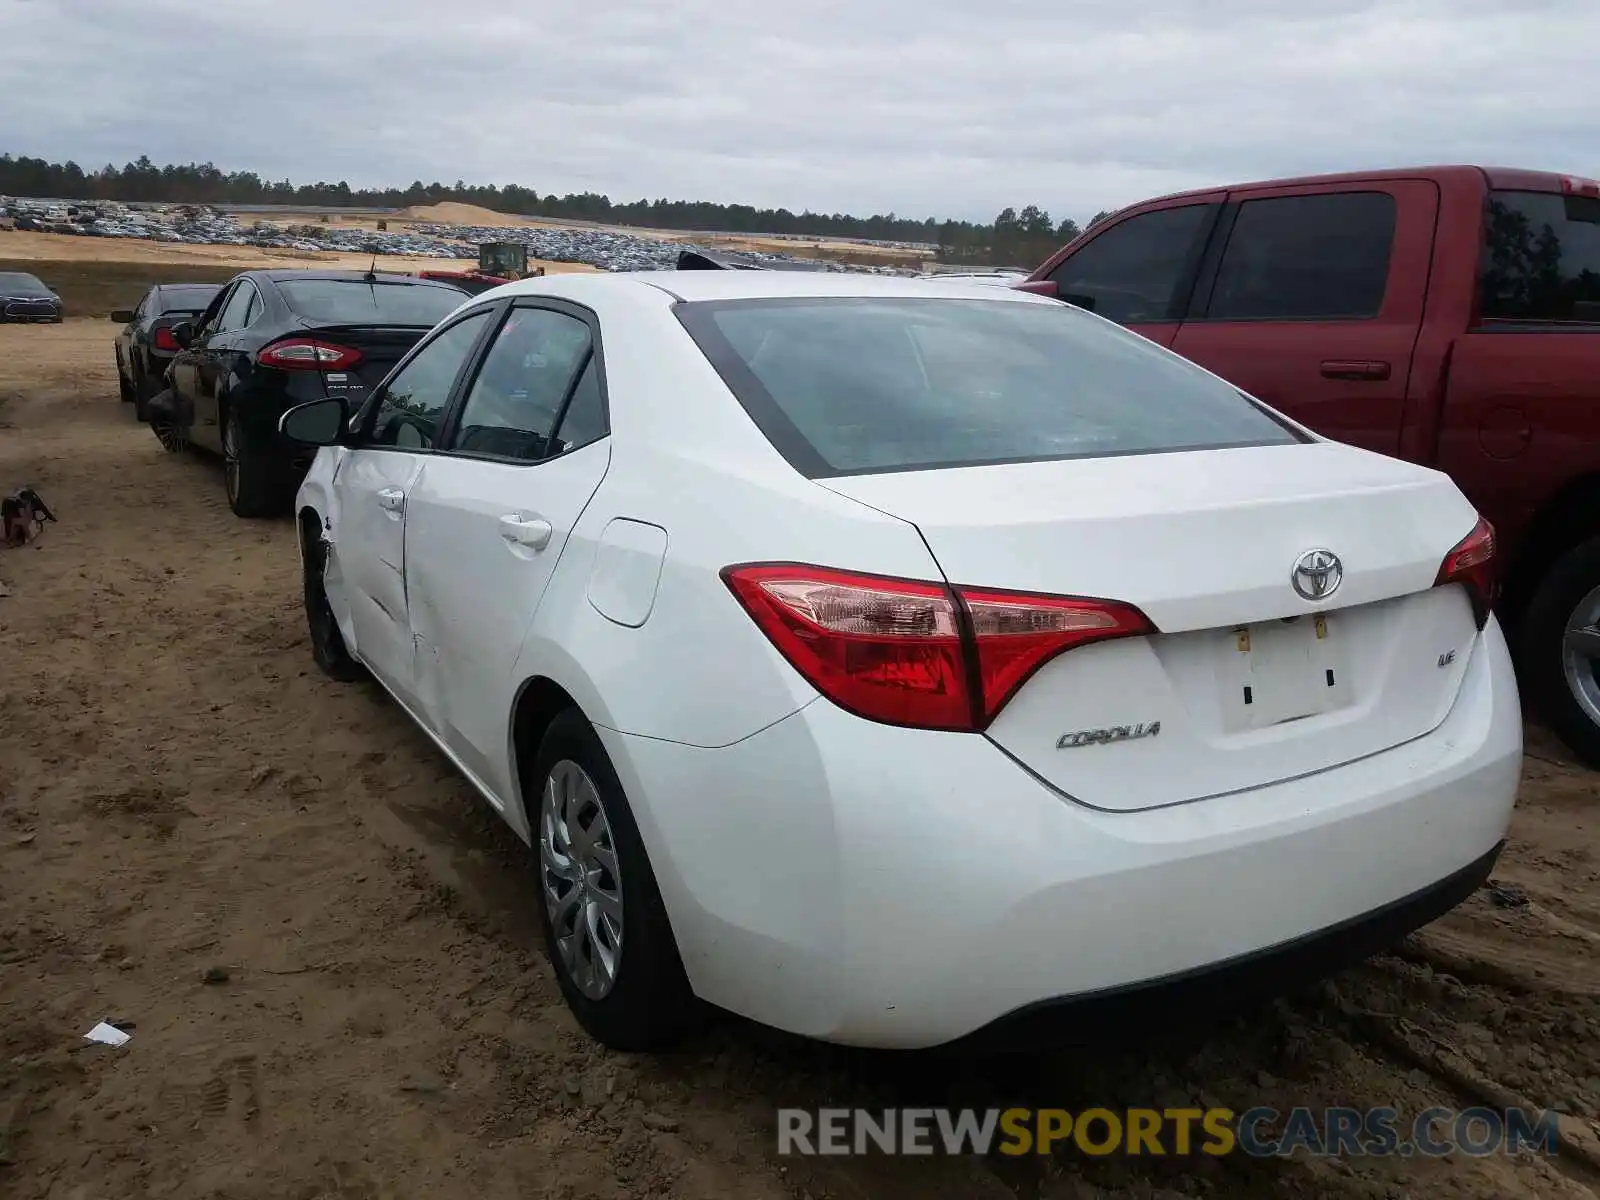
[1580,654]
[580,880]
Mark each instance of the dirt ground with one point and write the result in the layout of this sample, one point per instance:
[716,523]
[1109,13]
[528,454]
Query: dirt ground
[183,798]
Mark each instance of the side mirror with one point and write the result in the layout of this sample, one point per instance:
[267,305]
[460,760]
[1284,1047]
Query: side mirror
[317,423]
[122,316]
[183,333]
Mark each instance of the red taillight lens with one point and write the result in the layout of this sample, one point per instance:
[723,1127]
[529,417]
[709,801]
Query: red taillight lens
[909,652]
[1016,634]
[1472,564]
[165,341]
[308,354]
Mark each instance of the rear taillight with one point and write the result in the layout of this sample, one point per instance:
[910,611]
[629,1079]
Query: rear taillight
[909,652]
[308,354]
[1471,564]
[165,341]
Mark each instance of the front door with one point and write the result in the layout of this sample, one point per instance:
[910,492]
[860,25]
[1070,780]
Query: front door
[1137,270]
[1315,302]
[372,487]
[212,361]
[185,368]
[490,519]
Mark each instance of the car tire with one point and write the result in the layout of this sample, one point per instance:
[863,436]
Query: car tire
[646,1003]
[125,391]
[332,656]
[1562,680]
[161,414]
[252,474]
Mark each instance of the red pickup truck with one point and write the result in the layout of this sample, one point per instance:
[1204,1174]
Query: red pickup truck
[1447,315]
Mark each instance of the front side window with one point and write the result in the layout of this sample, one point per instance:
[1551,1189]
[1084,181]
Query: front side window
[412,406]
[852,386]
[1133,271]
[1541,258]
[1306,258]
[517,398]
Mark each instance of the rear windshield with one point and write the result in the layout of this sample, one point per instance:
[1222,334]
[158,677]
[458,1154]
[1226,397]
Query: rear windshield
[18,284]
[356,302]
[853,386]
[187,299]
[1541,258]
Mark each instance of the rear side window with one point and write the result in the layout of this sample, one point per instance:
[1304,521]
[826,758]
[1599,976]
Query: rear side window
[356,302]
[855,386]
[1133,271]
[1541,258]
[1306,258]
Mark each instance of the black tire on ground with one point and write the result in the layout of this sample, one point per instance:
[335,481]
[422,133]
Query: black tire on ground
[255,477]
[161,414]
[327,643]
[125,392]
[143,390]
[1542,646]
[650,1005]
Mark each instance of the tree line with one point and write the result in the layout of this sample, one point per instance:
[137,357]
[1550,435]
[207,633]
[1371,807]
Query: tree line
[1012,239]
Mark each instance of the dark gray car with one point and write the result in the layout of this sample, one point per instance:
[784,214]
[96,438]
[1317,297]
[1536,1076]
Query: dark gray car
[24,297]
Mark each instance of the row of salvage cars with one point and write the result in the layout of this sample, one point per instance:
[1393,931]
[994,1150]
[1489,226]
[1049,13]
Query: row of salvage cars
[897,662]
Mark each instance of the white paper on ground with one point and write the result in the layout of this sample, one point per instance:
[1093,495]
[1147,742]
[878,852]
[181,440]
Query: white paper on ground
[109,1034]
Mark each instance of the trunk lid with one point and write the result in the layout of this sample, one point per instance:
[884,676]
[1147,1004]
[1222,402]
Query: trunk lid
[1247,682]
[381,346]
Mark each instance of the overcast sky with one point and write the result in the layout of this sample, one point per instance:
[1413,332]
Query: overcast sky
[920,107]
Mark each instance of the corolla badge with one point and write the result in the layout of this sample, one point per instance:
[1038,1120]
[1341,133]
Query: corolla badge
[1112,733]
[1317,574]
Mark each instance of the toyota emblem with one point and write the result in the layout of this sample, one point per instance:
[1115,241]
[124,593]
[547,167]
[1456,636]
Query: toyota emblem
[1317,574]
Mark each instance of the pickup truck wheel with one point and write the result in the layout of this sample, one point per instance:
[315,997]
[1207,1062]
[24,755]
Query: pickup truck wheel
[1561,649]
[604,923]
[254,477]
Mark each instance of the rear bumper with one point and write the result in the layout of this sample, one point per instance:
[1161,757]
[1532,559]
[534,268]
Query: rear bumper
[898,888]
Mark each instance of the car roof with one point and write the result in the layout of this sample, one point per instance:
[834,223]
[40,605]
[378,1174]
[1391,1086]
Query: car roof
[757,285]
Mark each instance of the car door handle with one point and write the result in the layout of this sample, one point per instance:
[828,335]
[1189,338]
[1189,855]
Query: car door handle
[533,532]
[391,499]
[1344,368]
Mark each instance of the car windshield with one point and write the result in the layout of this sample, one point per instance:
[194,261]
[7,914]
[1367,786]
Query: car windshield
[188,299]
[852,386]
[15,283]
[357,302]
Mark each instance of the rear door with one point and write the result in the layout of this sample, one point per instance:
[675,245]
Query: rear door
[1311,299]
[490,517]
[186,363]
[1138,270]
[398,432]
[1524,383]
[211,362]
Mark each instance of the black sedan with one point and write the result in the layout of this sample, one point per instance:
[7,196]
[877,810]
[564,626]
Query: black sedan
[145,347]
[24,298]
[272,340]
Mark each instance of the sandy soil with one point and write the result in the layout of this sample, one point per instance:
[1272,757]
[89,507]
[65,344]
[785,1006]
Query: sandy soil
[183,797]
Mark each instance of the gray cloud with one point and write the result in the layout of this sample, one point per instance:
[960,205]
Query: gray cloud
[922,107]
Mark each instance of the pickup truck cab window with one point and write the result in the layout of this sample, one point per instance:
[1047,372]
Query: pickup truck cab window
[1541,258]
[1138,270]
[1306,258]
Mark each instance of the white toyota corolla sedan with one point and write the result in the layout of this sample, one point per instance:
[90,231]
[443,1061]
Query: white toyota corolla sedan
[899,662]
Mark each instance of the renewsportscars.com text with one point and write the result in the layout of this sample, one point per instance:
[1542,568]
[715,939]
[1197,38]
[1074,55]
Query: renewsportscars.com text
[1257,1132]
